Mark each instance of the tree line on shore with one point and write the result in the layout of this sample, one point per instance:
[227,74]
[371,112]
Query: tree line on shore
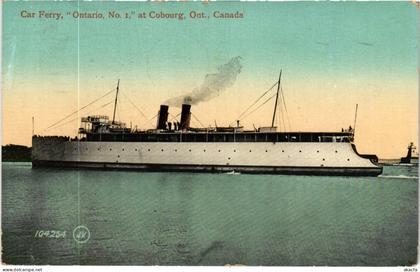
[15,153]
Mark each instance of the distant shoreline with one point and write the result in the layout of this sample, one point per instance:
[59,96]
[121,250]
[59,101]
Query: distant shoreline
[389,161]
[15,153]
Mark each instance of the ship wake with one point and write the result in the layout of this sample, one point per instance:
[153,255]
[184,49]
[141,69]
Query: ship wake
[398,177]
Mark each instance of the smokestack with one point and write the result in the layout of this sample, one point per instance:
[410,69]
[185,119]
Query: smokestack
[185,117]
[162,117]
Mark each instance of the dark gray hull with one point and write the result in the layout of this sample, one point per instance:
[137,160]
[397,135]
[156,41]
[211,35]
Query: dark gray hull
[282,170]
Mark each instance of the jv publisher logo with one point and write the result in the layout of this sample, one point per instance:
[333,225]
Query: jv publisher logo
[81,234]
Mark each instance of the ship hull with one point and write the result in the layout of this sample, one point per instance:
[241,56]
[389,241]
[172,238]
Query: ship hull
[297,158]
[328,171]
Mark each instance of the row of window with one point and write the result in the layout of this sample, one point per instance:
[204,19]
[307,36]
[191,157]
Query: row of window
[204,150]
[220,137]
[190,150]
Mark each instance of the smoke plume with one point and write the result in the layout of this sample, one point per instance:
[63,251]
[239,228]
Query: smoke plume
[212,85]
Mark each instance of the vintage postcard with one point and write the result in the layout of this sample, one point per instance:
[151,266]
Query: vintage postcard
[210,133]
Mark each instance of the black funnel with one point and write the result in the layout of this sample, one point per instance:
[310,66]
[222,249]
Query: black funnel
[162,117]
[185,117]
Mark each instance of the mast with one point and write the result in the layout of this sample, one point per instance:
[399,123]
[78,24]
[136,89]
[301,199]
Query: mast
[277,98]
[355,118]
[116,100]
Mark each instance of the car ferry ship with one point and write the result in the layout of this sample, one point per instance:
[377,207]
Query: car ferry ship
[176,146]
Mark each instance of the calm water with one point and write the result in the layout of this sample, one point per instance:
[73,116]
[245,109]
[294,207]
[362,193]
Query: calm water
[208,219]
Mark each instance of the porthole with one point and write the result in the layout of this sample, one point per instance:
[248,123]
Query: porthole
[176,150]
[250,151]
[161,150]
[123,149]
[135,149]
[323,159]
[189,150]
[336,151]
[219,150]
[282,151]
[348,159]
[266,151]
[228,158]
[99,149]
[234,150]
[118,156]
[300,151]
[110,149]
[86,148]
[148,149]
[204,150]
